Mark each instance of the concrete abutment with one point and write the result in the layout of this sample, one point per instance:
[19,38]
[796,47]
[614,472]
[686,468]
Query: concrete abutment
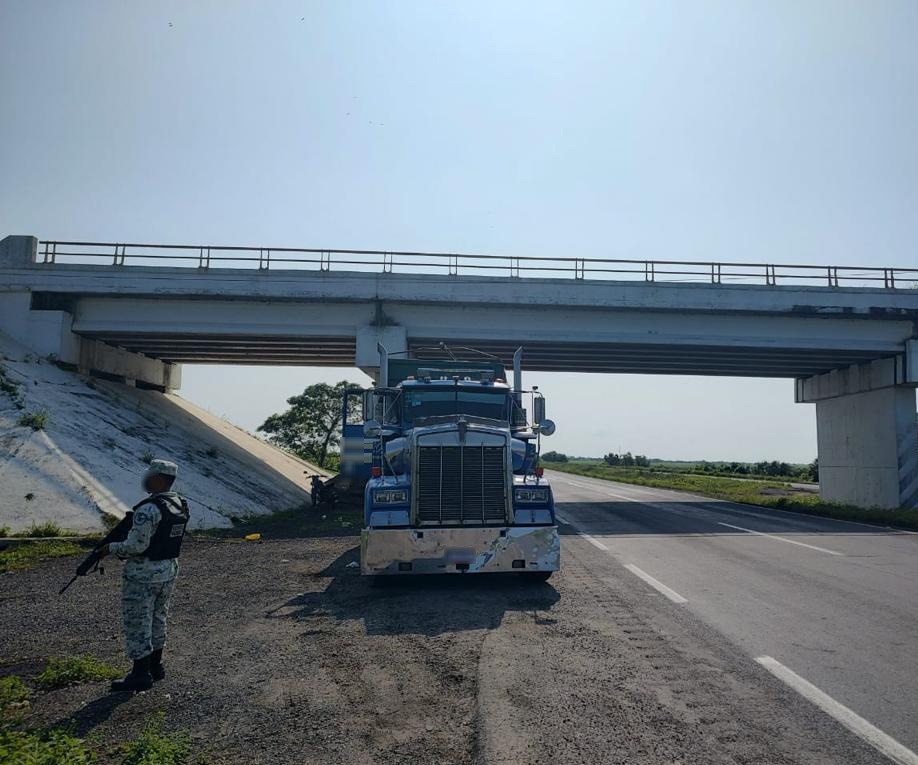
[48,333]
[867,432]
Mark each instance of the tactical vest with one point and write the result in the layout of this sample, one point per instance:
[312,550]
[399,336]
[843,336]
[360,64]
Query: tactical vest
[167,539]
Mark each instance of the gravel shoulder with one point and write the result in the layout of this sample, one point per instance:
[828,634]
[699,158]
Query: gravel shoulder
[280,652]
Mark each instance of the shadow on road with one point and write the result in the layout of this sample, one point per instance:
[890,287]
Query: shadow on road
[420,604]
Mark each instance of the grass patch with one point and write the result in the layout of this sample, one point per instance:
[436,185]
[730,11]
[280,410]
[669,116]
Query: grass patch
[36,420]
[73,670]
[35,748]
[14,701]
[12,690]
[774,494]
[294,523]
[21,556]
[154,747]
[46,529]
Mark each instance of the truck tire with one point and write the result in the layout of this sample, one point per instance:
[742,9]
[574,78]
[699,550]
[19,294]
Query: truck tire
[538,576]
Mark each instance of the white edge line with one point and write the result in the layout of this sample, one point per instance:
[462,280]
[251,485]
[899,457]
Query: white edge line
[882,742]
[779,538]
[674,596]
[562,519]
[594,542]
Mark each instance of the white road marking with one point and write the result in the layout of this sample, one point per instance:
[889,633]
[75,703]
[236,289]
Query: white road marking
[879,740]
[674,596]
[562,519]
[594,542]
[780,539]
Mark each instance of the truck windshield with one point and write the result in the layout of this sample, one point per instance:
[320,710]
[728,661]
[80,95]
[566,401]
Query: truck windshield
[433,402]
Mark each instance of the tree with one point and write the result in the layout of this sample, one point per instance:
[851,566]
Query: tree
[311,427]
[554,457]
[612,459]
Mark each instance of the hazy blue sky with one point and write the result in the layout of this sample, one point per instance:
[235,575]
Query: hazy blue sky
[721,130]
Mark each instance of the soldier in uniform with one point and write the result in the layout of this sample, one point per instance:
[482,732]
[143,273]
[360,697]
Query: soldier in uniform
[151,550]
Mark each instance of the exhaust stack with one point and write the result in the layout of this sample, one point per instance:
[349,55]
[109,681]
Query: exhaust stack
[518,370]
[383,365]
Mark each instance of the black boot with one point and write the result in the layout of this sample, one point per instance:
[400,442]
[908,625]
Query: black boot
[138,679]
[157,670]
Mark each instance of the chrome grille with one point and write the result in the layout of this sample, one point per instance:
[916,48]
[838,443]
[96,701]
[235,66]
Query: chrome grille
[461,484]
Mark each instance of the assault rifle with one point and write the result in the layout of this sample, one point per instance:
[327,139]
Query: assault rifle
[91,562]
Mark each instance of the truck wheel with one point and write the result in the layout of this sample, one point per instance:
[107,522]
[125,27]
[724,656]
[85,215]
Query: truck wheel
[538,576]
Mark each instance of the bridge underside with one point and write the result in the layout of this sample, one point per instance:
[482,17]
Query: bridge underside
[629,358]
[853,351]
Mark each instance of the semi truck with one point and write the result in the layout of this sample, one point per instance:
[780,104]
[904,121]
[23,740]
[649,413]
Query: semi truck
[454,485]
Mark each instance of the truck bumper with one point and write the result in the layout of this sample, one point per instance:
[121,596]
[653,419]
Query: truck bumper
[513,549]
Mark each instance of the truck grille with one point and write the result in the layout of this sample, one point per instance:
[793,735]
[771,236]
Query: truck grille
[461,484]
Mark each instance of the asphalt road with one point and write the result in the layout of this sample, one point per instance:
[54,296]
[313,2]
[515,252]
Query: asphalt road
[834,602]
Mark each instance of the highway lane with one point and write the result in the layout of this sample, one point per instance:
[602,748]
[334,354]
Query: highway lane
[835,602]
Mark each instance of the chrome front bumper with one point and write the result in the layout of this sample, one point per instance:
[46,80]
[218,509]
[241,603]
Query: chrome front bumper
[460,550]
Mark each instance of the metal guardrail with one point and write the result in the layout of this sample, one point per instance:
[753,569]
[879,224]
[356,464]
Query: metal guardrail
[452,264]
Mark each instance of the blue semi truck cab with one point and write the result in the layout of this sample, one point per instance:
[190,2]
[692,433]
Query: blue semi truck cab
[454,486]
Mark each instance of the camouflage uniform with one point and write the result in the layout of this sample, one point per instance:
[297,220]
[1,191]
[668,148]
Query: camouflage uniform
[147,585]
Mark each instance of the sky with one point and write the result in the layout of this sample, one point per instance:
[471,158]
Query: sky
[779,131]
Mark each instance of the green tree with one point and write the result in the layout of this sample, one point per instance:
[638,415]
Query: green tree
[554,457]
[311,427]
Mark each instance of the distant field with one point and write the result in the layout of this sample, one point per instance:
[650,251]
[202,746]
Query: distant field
[767,493]
[798,474]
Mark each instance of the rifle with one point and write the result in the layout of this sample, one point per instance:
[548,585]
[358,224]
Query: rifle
[91,562]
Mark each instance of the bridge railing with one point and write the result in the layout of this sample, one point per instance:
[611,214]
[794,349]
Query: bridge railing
[265,259]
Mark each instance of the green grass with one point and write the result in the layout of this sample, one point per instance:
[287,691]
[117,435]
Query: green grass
[27,554]
[39,748]
[14,700]
[12,690]
[774,494]
[46,529]
[154,747]
[36,420]
[73,670]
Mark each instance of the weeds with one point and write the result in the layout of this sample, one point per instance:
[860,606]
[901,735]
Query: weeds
[34,748]
[147,457]
[154,747]
[36,420]
[21,556]
[4,531]
[12,691]
[46,529]
[14,701]
[73,670]
[8,386]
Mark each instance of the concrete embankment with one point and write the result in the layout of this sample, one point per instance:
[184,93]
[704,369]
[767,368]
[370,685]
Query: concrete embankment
[72,450]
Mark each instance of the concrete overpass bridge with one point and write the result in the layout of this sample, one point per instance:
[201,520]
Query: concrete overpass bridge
[848,337]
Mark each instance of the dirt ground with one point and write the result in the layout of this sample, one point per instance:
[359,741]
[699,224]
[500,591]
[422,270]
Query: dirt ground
[280,652]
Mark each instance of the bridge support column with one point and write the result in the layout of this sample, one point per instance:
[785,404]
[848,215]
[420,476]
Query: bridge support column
[392,337]
[867,431]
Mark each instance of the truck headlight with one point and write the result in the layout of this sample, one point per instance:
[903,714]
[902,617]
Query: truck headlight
[531,496]
[390,496]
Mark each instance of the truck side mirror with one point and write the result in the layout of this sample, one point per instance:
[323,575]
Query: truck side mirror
[546,427]
[372,429]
